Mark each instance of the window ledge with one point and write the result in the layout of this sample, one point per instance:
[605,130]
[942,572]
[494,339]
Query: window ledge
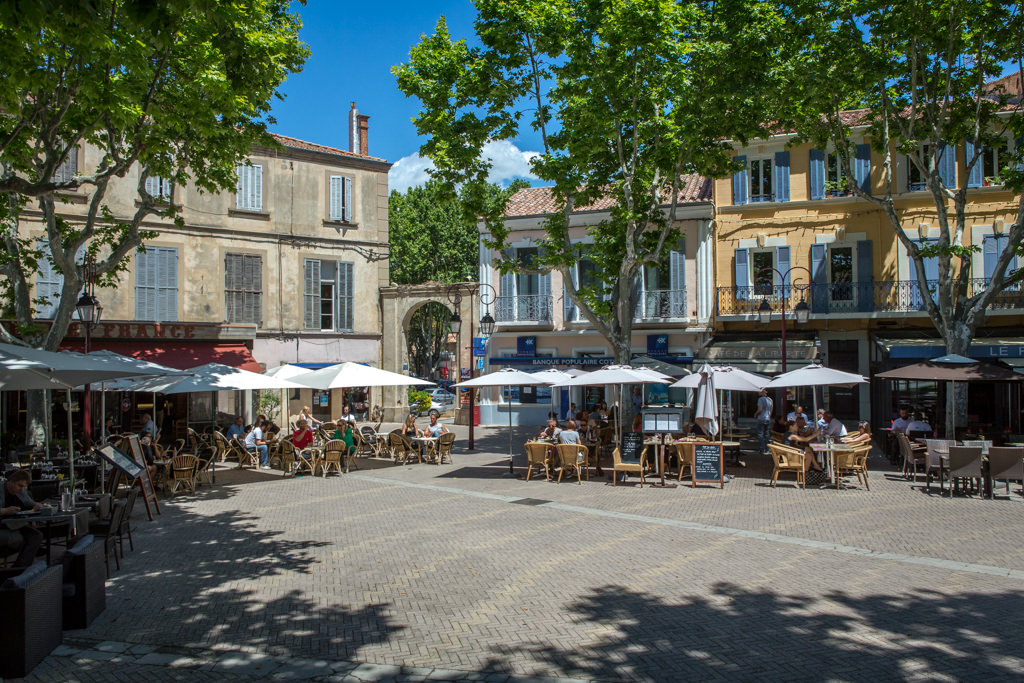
[341,225]
[70,197]
[253,215]
[162,204]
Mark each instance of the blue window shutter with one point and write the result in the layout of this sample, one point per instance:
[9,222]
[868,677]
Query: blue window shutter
[739,182]
[545,298]
[931,265]
[947,165]
[345,297]
[781,176]
[677,281]
[742,274]
[974,178]
[145,296]
[865,277]
[817,174]
[568,305]
[819,279]
[782,264]
[862,168]
[48,283]
[991,250]
[167,307]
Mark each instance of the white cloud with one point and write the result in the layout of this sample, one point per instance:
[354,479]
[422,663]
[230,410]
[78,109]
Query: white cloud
[508,162]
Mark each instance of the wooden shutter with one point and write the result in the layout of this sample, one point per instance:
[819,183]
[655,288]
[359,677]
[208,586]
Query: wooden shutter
[865,276]
[992,250]
[249,190]
[241,185]
[257,185]
[947,165]
[68,168]
[347,199]
[862,167]
[507,293]
[337,198]
[49,282]
[817,174]
[232,264]
[742,273]
[145,292]
[167,301]
[819,279]
[739,182]
[782,265]
[343,320]
[781,176]
[677,280]
[311,294]
[974,176]
[568,305]
[254,289]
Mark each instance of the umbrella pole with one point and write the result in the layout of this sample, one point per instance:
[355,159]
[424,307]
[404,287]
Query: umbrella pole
[71,443]
[103,436]
[511,469]
[213,439]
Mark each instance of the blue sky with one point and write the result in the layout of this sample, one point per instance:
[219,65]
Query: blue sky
[354,45]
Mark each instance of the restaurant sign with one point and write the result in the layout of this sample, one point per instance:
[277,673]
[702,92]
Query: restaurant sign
[593,361]
[166,331]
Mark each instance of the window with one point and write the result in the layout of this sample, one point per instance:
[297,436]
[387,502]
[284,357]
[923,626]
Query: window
[761,180]
[840,273]
[762,274]
[341,199]
[243,288]
[835,177]
[249,191]
[68,168]
[328,295]
[156,284]
[49,282]
[159,188]
[992,161]
[916,179]
[585,275]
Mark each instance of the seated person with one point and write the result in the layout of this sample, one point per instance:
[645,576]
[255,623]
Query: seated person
[344,432]
[602,411]
[821,419]
[638,423]
[303,436]
[802,433]
[409,429]
[550,432]
[781,426]
[863,434]
[237,428]
[147,437]
[24,540]
[798,411]
[594,414]
[900,423]
[833,427]
[110,429]
[435,428]
[255,443]
[569,434]
[916,425]
[590,433]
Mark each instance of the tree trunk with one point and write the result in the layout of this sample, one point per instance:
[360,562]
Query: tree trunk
[958,340]
[37,412]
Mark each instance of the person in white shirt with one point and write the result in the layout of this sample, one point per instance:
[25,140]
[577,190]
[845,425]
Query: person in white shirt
[798,411]
[254,443]
[916,425]
[347,416]
[901,422]
[833,427]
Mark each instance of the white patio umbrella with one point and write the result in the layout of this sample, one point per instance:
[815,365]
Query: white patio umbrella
[815,375]
[552,376]
[506,377]
[574,372]
[216,377]
[727,378]
[707,408]
[615,374]
[286,371]
[348,374]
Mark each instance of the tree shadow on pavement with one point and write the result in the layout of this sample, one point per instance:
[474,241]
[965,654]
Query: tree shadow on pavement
[761,634]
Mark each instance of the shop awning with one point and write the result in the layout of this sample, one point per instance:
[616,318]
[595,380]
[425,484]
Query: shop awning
[181,355]
[760,356]
[918,348]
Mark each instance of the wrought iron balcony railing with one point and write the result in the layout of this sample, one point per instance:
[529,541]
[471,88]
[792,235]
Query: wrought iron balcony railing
[848,297]
[529,308]
[661,303]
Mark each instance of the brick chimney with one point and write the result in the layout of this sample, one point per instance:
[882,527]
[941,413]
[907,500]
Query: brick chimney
[364,135]
[358,132]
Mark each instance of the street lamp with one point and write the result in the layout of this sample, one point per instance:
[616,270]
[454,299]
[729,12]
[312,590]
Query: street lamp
[487,295]
[89,313]
[801,311]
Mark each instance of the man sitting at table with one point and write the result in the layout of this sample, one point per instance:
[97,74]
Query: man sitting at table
[435,428]
[798,411]
[802,434]
[24,540]
[916,425]
[237,428]
[255,443]
[833,427]
[899,425]
[302,437]
[569,434]
[550,432]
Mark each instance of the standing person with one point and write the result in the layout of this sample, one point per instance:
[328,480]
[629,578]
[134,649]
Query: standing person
[638,399]
[308,417]
[255,443]
[763,415]
[147,437]
[13,499]
[347,416]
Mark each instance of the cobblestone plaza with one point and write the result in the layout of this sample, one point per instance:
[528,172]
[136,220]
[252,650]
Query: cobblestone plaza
[456,572]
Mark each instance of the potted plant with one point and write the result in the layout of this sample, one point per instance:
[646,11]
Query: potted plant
[837,188]
[992,180]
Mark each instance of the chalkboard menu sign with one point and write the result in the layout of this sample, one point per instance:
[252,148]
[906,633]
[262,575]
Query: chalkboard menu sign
[144,482]
[707,463]
[120,461]
[632,447]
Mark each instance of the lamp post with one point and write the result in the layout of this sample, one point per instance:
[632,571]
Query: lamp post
[89,313]
[487,294]
[801,311]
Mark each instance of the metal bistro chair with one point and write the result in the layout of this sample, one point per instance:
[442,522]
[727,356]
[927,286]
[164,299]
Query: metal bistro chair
[913,455]
[964,463]
[537,456]
[937,449]
[1005,464]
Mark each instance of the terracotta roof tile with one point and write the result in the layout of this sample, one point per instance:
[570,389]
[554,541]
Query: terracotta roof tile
[537,201]
[313,147]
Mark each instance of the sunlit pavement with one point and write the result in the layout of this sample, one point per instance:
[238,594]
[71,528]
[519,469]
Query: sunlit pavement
[458,572]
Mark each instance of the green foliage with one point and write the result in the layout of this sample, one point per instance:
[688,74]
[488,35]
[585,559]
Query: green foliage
[270,404]
[433,236]
[419,401]
[181,90]
[627,95]
[427,337]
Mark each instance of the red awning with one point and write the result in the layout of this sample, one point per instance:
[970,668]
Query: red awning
[179,355]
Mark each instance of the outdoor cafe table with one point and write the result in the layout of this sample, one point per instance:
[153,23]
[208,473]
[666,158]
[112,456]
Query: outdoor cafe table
[76,521]
[428,446]
[829,452]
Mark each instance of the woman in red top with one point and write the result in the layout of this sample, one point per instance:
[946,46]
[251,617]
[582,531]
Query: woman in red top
[302,438]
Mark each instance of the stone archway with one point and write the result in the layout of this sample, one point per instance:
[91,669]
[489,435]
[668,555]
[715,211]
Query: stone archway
[398,303]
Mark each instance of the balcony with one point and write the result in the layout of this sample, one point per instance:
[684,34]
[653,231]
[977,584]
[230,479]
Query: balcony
[899,296]
[657,304]
[523,309]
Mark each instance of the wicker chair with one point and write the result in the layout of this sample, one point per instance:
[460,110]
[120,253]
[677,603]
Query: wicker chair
[286,456]
[403,448]
[307,460]
[619,466]
[684,454]
[245,457]
[373,440]
[537,456]
[32,609]
[1006,464]
[334,452]
[787,459]
[444,447]
[183,472]
[222,446]
[573,457]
